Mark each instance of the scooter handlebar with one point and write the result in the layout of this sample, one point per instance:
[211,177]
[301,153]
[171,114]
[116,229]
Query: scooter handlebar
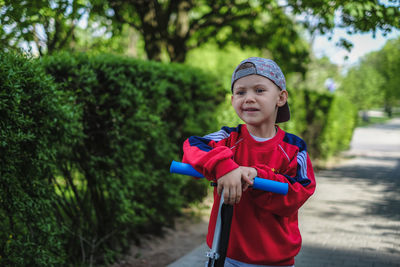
[259,183]
[185,169]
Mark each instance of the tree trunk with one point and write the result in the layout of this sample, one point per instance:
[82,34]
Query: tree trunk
[157,36]
[177,50]
[153,48]
[177,47]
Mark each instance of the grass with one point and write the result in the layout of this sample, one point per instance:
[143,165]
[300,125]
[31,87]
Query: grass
[372,120]
[382,118]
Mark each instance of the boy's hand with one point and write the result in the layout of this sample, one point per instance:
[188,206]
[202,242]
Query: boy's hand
[248,175]
[235,182]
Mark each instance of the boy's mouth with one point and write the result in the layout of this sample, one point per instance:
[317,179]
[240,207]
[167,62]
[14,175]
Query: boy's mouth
[250,109]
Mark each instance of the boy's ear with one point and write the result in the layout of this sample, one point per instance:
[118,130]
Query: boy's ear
[283,96]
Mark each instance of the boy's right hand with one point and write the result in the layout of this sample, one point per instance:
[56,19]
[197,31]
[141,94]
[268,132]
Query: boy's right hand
[232,185]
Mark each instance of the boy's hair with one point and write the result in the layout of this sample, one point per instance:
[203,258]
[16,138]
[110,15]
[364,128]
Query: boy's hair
[246,65]
[268,69]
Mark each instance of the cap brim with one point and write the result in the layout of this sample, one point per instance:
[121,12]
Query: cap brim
[283,113]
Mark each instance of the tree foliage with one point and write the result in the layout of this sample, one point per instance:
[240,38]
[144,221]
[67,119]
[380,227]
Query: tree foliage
[387,63]
[319,70]
[362,85]
[48,25]
[178,26]
[171,28]
[374,82]
[356,16]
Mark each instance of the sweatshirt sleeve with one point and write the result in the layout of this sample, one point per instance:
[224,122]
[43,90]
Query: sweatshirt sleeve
[300,178]
[210,154]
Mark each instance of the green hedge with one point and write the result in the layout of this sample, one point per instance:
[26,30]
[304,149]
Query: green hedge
[134,117]
[324,120]
[34,122]
[86,144]
[339,127]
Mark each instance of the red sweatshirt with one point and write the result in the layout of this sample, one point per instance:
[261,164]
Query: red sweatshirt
[265,225]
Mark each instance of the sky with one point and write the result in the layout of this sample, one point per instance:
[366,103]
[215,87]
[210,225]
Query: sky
[363,44]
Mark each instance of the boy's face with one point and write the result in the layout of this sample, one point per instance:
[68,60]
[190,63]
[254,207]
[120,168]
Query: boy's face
[256,100]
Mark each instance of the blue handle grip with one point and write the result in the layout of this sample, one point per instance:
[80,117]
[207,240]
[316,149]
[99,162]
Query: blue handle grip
[270,186]
[259,183]
[184,168]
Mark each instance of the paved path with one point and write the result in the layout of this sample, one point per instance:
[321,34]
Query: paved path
[353,219]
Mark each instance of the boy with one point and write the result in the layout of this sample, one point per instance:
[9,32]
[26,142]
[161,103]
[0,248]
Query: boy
[264,230]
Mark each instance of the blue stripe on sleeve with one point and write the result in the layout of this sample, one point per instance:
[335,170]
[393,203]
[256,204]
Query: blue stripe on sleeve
[200,142]
[301,173]
[222,134]
[295,140]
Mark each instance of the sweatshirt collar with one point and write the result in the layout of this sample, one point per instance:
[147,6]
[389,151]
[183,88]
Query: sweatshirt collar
[271,142]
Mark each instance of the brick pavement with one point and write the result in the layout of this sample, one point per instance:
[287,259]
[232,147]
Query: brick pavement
[353,219]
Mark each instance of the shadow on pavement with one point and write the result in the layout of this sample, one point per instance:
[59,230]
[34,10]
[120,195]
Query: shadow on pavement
[375,174]
[316,256]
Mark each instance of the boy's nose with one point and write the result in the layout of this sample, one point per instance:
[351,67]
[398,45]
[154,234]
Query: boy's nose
[249,98]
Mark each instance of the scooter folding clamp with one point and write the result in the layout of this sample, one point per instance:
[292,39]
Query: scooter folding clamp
[212,255]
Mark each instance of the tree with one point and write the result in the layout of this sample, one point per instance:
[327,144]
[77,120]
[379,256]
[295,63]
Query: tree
[374,82]
[362,85]
[175,27]
[319,71]
[322,16]
[387,63]
[48,25]
[171,28]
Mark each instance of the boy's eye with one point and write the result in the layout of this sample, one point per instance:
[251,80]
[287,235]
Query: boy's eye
[240,92]
[259,90]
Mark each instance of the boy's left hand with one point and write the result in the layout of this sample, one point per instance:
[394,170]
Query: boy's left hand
[235,182]
[248,175]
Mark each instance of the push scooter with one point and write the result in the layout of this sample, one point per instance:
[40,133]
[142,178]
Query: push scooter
[217,254]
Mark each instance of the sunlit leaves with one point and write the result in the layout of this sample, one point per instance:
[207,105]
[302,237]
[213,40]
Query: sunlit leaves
[40,26]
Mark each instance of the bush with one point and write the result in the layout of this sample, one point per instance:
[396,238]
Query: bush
[114,182]
[338,131]
[32,126]
[316,107]
[325,121]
